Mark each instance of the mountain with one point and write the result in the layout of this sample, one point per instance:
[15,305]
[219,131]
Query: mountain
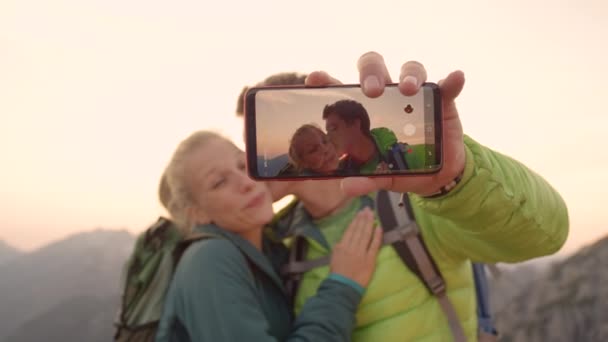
[69,291]
[62,279]
[7,252]
[84,318]
[567,302]
[271,167]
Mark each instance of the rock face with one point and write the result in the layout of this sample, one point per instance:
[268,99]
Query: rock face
[566,302]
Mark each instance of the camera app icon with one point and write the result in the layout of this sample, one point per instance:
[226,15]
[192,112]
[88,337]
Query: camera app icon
[408,109]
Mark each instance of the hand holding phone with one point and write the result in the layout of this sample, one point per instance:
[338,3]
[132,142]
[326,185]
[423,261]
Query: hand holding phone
[373,75]
[298,132]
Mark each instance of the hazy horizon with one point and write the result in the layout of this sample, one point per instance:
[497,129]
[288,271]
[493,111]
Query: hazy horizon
[95,96]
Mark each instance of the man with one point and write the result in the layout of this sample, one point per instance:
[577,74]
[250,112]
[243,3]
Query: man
[481,206]
[368,151]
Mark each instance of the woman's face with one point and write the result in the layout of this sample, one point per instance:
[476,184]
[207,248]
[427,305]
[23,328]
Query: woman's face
[316,151]
[222,191]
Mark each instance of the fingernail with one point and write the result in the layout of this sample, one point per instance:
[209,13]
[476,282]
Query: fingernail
[371,82]
[411,79]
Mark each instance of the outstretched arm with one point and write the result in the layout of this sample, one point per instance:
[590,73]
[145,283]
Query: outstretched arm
[500,212]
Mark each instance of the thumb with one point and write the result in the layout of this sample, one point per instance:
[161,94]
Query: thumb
[451,86]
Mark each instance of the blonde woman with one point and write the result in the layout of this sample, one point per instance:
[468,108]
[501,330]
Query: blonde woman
[310,150]
[227,288]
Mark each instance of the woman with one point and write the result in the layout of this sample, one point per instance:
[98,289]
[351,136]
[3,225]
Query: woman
[226,288]
[311,150]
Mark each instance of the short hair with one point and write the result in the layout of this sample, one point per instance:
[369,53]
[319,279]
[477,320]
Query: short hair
[282,78]
[349,111]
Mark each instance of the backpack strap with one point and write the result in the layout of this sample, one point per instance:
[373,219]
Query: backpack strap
[395,212]
[298,265]
[397,150]
[293,271]
[295,267]
[181,247]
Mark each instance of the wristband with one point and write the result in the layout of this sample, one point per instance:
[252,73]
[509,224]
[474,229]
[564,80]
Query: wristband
[444,190]
[348,282]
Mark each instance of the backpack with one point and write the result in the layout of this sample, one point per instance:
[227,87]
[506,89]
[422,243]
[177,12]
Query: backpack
[402,232]
[147,276]
[395,157]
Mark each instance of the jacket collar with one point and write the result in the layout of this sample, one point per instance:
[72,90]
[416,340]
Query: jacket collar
[298,222]
[252,254]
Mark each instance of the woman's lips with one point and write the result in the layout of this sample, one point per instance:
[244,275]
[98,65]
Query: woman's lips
[256,201]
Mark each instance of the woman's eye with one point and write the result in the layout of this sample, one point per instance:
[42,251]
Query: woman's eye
[217,183]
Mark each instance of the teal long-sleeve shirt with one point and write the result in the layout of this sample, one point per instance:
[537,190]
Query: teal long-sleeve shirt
[226,290]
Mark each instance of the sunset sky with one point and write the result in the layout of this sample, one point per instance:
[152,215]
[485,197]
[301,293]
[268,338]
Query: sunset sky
[95,95]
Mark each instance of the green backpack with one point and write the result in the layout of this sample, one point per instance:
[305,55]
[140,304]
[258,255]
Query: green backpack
[147,275]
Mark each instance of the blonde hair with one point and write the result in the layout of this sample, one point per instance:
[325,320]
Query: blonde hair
[164,192]
[179,195]
[295,155]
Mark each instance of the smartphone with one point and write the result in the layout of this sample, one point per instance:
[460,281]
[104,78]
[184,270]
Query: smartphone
[299,132]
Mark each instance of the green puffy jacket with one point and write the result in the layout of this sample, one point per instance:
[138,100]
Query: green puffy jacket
[500,212]
[384,139]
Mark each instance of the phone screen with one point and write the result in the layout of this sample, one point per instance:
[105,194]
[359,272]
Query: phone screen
[336,131]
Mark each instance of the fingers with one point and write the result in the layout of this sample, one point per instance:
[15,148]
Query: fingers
[349,235]
[363,235]
[352,235]
[357,186]
[373,74]
[359,232]
[376,243]
[412,75]
[355,255]
[320,78]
